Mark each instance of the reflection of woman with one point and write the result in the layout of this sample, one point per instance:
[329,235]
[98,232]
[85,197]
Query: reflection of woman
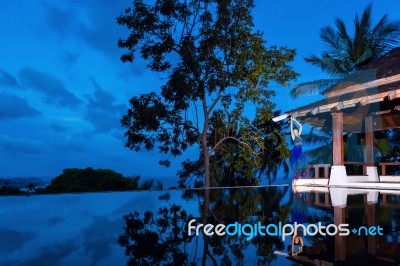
[296,241]
[296,152]
[299,209]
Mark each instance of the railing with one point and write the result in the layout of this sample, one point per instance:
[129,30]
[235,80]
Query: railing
[383,166]
[390,200]
[326,167]
[359,164]
[317,168]
[320,199]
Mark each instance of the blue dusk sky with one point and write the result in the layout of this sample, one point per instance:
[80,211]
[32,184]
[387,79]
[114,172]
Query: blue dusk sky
[63,88]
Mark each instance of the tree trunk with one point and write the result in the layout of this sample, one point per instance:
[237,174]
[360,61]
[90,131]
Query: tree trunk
[206,160]
[206,205]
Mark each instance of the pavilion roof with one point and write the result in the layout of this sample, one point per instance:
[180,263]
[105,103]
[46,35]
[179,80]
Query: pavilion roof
[372,90]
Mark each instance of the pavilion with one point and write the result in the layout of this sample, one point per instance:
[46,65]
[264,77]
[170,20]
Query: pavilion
[358,109]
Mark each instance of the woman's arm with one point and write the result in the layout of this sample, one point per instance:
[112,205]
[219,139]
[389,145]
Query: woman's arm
[301,245]
[292,247]
[291,128]
[299,125]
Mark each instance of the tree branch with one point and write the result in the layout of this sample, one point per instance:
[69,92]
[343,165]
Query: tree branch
[214,103]
[240,141]
[196,115]
[205,112]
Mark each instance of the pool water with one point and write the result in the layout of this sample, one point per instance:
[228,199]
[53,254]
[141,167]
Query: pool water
[151,228]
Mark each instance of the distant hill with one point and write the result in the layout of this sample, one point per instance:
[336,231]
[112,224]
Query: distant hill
[83,180]
[23,182]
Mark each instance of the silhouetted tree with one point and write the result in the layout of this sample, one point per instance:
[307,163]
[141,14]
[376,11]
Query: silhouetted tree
[214,62]
[31,187]
[90,180]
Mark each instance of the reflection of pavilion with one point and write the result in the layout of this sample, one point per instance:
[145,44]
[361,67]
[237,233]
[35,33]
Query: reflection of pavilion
[376,203]
[357,110]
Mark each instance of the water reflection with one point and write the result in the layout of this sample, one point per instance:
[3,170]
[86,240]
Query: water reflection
[361,209]
[90,229]
[162,238]
[150,240]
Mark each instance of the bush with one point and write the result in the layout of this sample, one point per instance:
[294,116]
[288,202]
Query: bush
[91,180]
[10,190]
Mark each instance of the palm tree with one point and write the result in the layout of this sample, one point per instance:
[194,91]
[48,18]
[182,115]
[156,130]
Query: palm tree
[345,54]
[31,187]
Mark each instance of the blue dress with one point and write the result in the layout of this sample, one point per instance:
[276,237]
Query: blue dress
[297,157]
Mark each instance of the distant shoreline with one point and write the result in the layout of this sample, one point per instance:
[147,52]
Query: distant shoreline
[23,182]
[167,181]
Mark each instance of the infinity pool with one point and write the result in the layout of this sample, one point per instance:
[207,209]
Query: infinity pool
[150,227]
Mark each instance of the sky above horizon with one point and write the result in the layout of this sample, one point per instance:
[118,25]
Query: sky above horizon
[63,88]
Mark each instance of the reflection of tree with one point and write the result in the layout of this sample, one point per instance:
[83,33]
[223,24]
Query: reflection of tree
[250,205]
[151,240]
[162,238]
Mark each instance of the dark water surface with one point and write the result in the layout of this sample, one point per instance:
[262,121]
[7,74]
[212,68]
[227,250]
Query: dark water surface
[150,227]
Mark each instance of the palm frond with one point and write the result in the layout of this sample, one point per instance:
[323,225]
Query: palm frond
[346,53]
[364,56]
[363,26]
[312,87]
[344,40]
[322,154]
[385,35]
[331,38]
[323,137]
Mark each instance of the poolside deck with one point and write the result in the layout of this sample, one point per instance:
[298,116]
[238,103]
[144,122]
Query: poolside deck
[339,178]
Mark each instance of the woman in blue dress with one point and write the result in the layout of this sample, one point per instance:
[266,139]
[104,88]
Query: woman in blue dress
[296,152]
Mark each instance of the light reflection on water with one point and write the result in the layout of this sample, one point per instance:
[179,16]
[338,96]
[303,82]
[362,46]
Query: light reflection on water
[84,229]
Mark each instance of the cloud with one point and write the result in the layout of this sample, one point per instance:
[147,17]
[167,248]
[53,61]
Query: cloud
[148,204]
[59,20]
[103,32]
[12,106]
[55,220]
[52,255]
[20,145]
[58,128]
[50,86]
[11,240]
[7,80]
[69,146]
[97,241]
[103,112]
[93,22]
[69,59]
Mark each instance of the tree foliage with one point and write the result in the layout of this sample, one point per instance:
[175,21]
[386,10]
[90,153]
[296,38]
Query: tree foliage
[10,190]
[233,165]
[345,53]
[215,65]
[91,180]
